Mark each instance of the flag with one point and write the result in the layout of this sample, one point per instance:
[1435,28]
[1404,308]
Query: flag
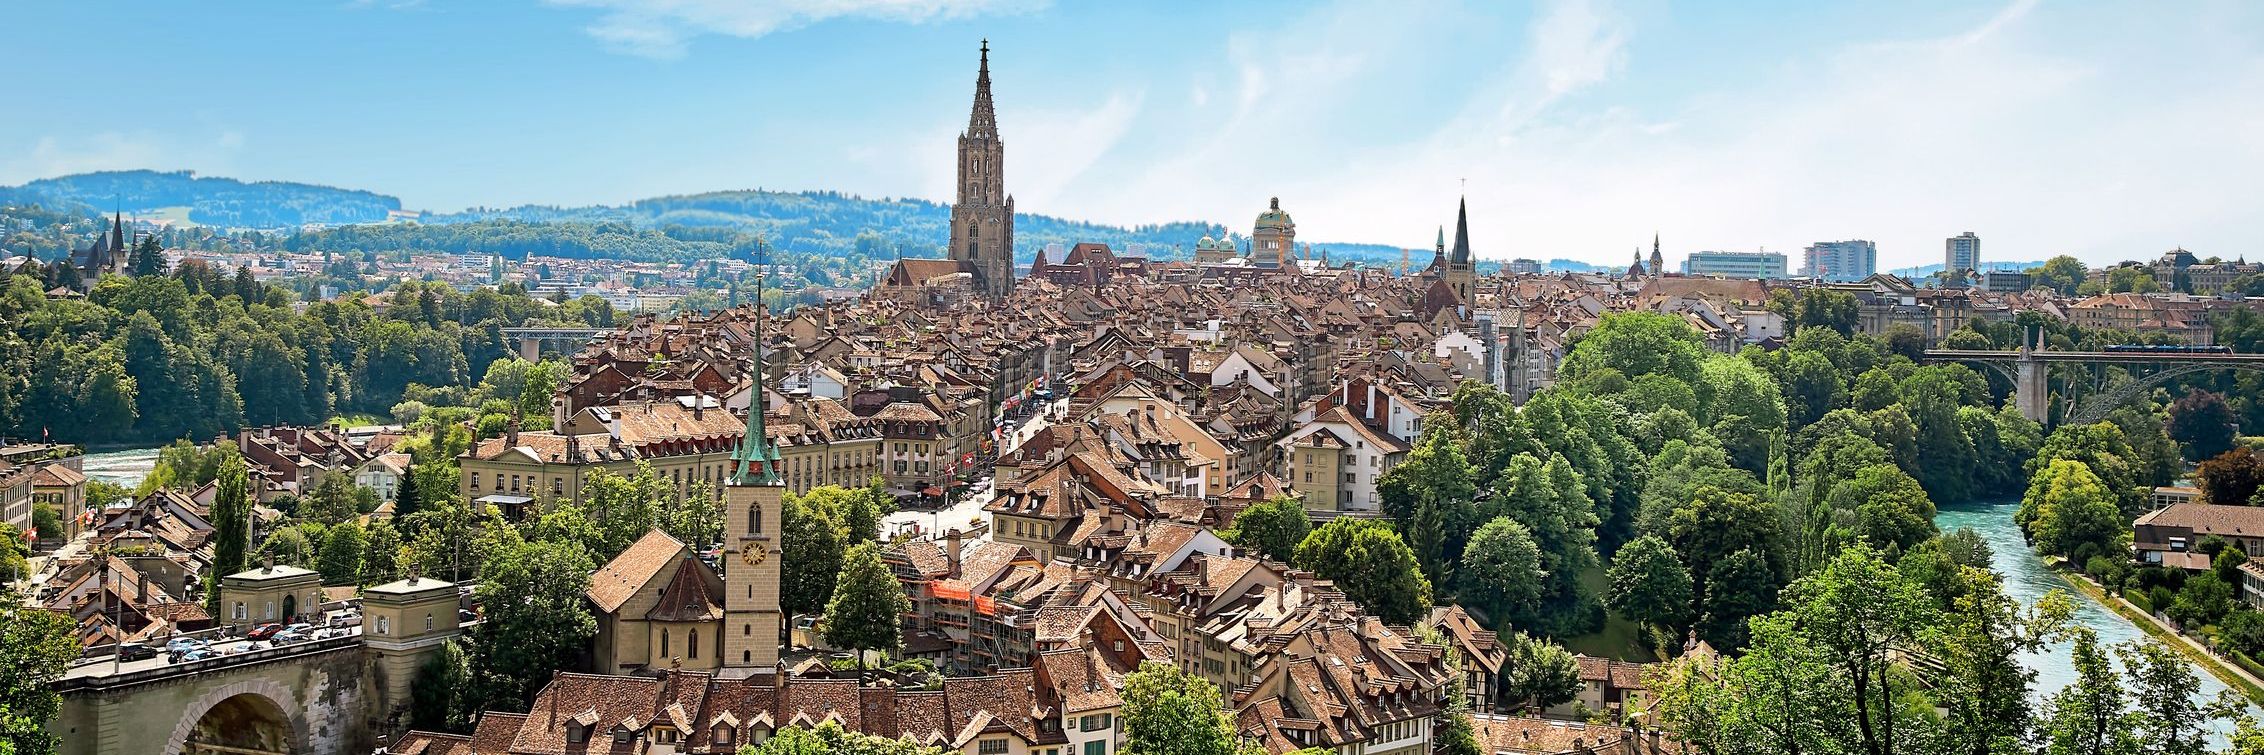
[31,534]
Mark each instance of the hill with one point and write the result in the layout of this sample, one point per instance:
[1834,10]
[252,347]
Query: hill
[225,202]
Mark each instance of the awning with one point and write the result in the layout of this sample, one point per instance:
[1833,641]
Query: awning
[500,499]
[931,491]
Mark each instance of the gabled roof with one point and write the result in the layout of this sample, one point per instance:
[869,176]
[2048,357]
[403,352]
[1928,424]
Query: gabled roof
[621,578]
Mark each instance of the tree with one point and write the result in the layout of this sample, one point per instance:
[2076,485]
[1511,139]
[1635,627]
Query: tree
[406,499]
[332,500]
[148,258]
[810,557]
[2231,478]
[1373,567]
[1980,641]
[1168,711]
[2203,423]
[2169,720]
[2204,600]
[2067,507]
[2062,273]
[380,558]
[2105,450]
[340,560]
[2090,716]
[830,738]
[438,698]
[1433,495]
[1501,571]
[1540,673]
[1649,584]
[1861,619]
[1273,527]
[1637,344]
[1738,587]
[232,526]
[1887,508]
[868,605]
[36,646]
[536,621]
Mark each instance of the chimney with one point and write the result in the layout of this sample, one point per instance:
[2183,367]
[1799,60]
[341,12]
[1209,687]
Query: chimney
[267,563]
[141,586]
[511,434]
[951,550]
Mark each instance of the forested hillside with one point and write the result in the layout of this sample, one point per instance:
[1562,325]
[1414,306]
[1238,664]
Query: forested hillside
[209,201]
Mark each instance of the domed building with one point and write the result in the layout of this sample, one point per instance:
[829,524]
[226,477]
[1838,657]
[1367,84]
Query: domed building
[1211,251]
[1273,236]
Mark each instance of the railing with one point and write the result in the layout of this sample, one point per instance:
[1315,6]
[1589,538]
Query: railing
[250,657]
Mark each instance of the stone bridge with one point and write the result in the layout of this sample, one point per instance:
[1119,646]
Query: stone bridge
[529,342]
[2027,370]
[317,697]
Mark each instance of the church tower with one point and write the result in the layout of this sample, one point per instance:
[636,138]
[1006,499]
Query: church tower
[982,221]
[753,513]
[1461,270]
[1658,261]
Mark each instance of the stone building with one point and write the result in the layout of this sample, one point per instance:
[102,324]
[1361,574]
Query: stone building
[982,221]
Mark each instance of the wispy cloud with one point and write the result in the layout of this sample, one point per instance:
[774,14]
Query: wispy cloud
[665,28]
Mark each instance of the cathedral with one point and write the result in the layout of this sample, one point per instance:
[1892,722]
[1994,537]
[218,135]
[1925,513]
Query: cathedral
[1456,268]
[982,221]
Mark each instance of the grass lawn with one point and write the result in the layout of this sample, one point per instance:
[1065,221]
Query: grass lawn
[1620,638]
[359,420]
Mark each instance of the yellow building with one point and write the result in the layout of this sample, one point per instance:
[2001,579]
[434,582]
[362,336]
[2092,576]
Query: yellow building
[269,595]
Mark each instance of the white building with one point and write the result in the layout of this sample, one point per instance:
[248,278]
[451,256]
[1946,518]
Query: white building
[1961,253]
[1843,261]
[1761,265]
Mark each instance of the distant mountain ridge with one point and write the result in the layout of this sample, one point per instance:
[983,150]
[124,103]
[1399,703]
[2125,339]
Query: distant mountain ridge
[676,227]
[213,201]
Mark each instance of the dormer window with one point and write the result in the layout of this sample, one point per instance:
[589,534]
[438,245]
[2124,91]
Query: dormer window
[722,735]
[577,733]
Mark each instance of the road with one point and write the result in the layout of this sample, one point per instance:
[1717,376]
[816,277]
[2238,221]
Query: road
[966,512]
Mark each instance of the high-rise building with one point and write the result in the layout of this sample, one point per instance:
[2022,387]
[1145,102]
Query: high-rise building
[1735,264]
[982,221]
[1961,253]
[1851,260]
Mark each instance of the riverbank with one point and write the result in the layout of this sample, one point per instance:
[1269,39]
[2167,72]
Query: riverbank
[2232,675]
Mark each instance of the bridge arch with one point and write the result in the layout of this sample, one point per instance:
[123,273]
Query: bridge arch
[252,715]
[2096,406]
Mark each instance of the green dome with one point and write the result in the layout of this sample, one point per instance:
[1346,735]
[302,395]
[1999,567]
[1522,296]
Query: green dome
[1273,217]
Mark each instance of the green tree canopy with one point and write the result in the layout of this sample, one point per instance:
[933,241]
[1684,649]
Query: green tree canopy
[1272,528]
[1371,564]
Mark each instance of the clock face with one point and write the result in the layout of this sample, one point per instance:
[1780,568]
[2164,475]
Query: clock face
[752,554]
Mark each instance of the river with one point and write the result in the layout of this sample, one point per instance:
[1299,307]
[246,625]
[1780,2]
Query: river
[2026,579]
[126,467]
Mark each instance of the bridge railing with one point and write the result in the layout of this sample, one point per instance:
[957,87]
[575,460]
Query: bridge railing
[166,670]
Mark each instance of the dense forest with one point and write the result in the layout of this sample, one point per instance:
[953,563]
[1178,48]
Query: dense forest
[210,201]
[203,351]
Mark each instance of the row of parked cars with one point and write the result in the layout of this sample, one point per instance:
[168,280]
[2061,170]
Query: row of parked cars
[185,649]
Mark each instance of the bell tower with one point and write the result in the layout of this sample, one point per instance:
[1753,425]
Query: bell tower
[753,502]
[982,221]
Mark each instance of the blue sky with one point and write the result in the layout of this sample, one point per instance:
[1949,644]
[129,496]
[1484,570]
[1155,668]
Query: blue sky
[2104,130]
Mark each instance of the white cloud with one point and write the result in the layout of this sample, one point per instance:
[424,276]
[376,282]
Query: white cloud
[663,28]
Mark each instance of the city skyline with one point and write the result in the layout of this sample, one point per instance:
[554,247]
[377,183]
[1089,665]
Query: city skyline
[1598,124]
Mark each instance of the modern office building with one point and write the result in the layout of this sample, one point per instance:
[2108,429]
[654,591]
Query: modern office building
[1961,253]
[1851,260]
[1735,264]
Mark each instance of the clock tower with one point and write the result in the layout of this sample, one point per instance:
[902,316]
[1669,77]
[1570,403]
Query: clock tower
[753,499]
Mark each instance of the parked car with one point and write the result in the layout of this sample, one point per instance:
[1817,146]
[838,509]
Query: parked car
[135,651]
[299,628]
[183,644]
[264,631]
[196,654]
[286,637]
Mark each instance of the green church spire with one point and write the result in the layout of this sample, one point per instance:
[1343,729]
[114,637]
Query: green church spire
[756,458]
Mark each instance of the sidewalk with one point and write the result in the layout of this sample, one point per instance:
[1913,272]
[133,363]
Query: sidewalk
[2224,668]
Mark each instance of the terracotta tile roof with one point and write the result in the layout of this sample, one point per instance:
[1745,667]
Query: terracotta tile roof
[613,584]
[692,594]
[495,731]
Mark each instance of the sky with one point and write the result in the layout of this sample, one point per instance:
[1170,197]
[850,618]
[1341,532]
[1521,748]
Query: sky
[1576,128]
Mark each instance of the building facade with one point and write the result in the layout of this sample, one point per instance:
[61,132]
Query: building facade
[1840,261]
[1961,253]
[982,221]
[1761,265]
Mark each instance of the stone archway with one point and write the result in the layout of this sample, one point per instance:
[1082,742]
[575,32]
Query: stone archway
[243,718]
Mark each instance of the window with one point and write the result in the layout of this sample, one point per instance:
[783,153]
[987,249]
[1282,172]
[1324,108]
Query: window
[692,643]
[746,656]
[1096,747]
[271,609]
[754,519]
[384,624]
[577,733]
[664,643]
[991,747]
[240,612]
[722,734]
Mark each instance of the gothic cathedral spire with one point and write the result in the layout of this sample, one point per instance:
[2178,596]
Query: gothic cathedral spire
[982,221]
